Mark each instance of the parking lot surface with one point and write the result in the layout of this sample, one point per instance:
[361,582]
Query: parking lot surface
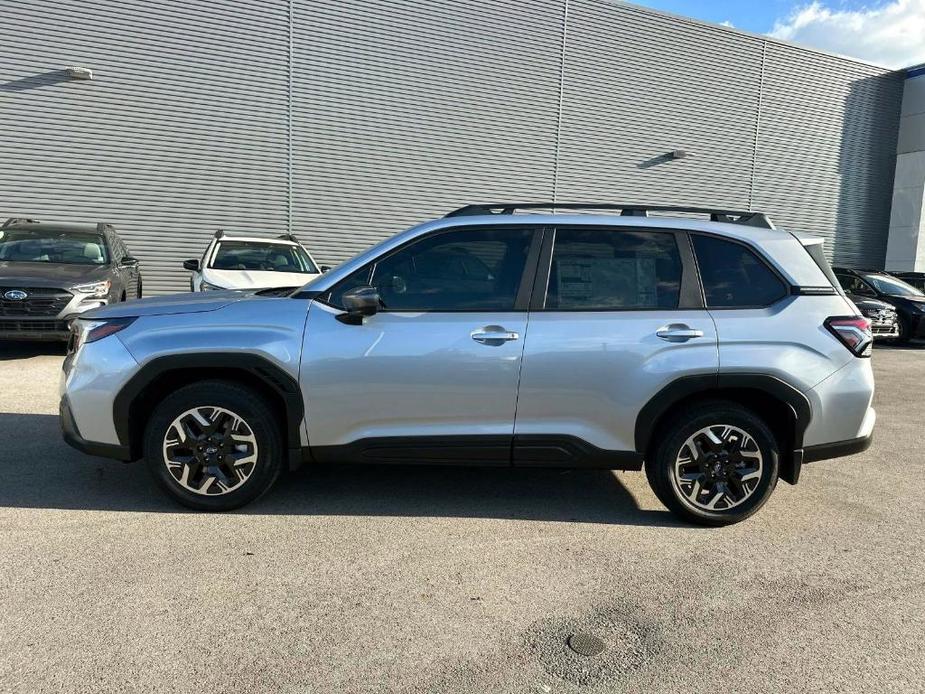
[364,579]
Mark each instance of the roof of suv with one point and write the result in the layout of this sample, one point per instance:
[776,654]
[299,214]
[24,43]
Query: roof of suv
[787,251]
[261,239]
[60,227]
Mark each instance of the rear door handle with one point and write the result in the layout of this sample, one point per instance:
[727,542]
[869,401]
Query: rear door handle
[493,335]
[678,332]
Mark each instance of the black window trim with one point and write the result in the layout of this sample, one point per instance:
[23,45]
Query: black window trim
[789,289]
[690,294]
[524,289]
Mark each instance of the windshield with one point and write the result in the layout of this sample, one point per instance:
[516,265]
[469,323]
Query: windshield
[44,246]
[260,256]
[892,286]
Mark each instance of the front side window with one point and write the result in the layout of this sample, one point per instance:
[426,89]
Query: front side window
[263,257]
[603,269]
[460,270]
[733,276]
[855,285]
[37,246]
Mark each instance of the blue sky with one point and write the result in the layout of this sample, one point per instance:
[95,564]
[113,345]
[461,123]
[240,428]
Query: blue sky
[885,32]
[758,16]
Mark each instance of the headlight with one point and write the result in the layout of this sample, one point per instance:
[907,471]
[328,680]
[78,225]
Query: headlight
[211,287]
[94,289]
[87,331]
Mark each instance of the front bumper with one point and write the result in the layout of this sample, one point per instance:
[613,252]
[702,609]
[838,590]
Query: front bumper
[45,329]
[73,438]
[55,327]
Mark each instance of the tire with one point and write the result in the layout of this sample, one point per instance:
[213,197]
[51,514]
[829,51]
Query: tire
[223,404]
[138,293]
[746,478]
[123,298]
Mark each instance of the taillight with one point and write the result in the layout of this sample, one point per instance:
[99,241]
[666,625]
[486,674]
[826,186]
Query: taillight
[853,332]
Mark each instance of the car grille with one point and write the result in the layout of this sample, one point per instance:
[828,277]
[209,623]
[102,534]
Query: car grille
[40,302]
[33,326]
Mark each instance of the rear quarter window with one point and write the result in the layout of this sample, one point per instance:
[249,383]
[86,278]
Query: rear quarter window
[733,276]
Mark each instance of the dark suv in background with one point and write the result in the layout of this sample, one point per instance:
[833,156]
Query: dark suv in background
[51,272]
[908,301]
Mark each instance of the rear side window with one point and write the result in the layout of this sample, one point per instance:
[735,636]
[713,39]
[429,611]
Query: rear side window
[604,269]
[733,276]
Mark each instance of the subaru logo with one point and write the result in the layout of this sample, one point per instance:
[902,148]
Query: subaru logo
[15,295]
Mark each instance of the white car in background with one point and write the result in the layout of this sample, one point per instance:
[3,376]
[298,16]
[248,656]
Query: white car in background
[252,262]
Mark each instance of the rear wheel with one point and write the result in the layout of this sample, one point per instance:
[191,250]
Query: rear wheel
[138,296]
[214,445]
[716,464]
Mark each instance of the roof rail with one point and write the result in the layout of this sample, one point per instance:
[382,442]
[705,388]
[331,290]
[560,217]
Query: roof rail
[747,217]
[18,220]
[288,237]
[103,226]
[219,233]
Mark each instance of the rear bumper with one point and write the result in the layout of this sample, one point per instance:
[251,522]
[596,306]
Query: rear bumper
[837,449]
[73,438]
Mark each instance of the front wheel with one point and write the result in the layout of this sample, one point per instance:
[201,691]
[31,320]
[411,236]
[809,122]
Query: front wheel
[214,445]
[716,464]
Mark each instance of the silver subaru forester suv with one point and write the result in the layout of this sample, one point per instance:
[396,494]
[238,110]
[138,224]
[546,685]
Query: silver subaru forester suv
[719,354]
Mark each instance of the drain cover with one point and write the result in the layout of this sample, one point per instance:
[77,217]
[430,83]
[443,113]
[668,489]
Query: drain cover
[585,644]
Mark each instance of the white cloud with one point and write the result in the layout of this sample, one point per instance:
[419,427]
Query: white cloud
[727,23]
[890,34]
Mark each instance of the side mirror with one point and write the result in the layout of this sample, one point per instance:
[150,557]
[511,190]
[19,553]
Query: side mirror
[191,265]
[129,261]
[360,302]
[324,268]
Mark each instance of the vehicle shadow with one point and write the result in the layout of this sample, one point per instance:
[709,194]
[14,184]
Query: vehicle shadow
[24,350]
[38,470]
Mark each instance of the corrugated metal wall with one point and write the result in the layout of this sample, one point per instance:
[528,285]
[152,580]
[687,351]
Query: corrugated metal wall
[399,110]
[405,110]
[827,150]
[182,130]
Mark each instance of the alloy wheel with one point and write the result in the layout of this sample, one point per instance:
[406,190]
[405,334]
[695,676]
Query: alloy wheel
[210,450]
[718,468]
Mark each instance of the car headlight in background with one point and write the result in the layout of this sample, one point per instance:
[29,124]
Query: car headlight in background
[211,287]
[87,331]
[94,290]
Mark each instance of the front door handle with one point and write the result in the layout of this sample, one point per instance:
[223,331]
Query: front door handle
[678,332]
[493,335]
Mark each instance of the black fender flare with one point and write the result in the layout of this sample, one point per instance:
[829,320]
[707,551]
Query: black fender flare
[706,384]
[257,367]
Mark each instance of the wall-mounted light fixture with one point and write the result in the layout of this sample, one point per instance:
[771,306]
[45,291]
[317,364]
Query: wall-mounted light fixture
[677,154]
[79,73]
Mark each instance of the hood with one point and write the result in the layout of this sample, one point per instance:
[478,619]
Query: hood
[255,279]
[60,275]
[867,302]
[191,302]
[908,299]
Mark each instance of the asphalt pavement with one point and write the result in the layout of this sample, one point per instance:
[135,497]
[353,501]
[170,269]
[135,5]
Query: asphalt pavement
[363,579]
